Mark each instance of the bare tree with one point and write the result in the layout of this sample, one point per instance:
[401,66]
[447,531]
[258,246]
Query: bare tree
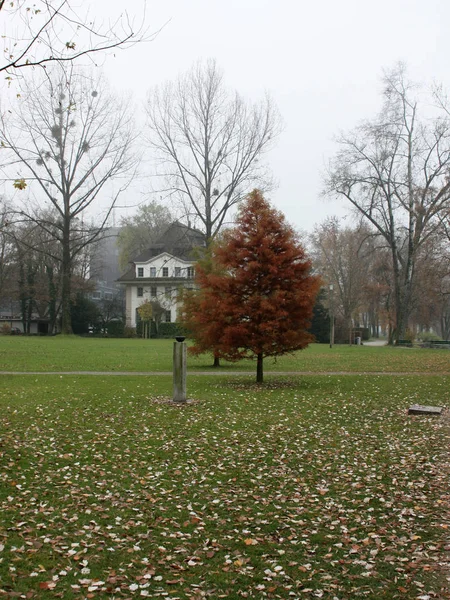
[340,256]
[49,31]
[431,308]
[68,140]
[6,253]
[394,170]
[208,143]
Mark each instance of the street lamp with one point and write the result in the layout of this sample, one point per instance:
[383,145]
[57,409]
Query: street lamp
[331,317]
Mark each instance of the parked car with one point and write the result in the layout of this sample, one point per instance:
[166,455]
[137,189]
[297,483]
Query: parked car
[15,331]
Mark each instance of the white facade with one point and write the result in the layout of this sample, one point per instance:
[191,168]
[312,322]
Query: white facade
[159,278]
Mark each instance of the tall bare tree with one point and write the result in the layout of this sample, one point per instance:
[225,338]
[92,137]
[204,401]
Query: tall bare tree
[6,253]
[48,31]
[208,142]
[394,170]
[69,139]
[340,256]
[431,308]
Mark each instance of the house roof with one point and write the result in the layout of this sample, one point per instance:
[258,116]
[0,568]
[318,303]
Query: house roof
[178,240]
[130,274]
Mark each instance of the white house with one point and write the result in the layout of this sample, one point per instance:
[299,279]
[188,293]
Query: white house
[159,273]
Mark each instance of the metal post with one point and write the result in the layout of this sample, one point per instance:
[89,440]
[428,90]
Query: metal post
[331,317]
[179,370]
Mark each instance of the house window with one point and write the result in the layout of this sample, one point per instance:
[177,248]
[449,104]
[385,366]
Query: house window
[108,296]
[96,295]
[190,272]
[168,293]
[152,271]
[140,271]
[140,292]
[165,271]
[153,291]
[168,316]
[177,271]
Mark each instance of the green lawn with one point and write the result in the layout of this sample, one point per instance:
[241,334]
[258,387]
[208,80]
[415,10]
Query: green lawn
[310,487]
[62,353]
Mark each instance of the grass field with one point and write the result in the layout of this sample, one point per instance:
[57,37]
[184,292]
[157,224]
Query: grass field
[71,353]
[308,487]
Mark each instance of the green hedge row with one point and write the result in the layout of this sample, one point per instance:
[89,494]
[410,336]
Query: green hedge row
[165,330]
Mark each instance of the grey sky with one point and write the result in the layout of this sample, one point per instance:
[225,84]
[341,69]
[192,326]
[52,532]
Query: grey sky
[321,62]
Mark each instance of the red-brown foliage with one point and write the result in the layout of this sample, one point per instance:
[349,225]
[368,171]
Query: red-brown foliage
[256,294]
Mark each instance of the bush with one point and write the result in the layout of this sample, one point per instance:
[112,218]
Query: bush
[84,313]
[170,330]
[427,336]
[165,330]
[129,332]
[5,329]
[140,327]
[116,329]
[410,336]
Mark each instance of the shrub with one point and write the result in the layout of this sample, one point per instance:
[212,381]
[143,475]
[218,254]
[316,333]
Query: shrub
[427,336]
[410,336]
[170,330]
[129,332]
[116,329]
[5,329]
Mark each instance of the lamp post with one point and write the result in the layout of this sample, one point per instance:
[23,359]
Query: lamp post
[331,317]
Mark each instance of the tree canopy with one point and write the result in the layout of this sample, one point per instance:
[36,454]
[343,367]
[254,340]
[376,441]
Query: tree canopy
[141,230]
[256,292]
[69,142]
[208,142]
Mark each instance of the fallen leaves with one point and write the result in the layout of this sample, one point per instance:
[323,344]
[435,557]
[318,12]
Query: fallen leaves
[315,489]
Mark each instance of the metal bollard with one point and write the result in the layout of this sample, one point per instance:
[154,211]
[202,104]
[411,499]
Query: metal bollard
[179,369]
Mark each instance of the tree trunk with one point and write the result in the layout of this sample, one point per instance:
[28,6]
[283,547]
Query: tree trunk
[216,361]
[66,326]
[52,300]
[31,294]
[259,369]
[398,330]
[402,310]
[22,296]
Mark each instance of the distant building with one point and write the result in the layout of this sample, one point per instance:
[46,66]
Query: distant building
[159,273]
[104,266]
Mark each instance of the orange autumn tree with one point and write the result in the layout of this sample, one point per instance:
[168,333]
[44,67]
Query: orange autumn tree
[255,293]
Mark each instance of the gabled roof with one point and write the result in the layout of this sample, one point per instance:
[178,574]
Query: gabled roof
[165,256]
[178,240]
[128,276]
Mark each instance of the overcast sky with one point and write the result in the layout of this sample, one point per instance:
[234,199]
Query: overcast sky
[321,62]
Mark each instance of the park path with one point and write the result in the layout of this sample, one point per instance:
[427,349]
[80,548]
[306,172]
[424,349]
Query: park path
[232,373]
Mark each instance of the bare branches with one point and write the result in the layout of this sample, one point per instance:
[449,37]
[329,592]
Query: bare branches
[70,140]
[52,31]
[394,170]
[208,143]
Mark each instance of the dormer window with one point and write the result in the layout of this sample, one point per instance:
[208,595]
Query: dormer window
[165,272]
[152,271]
[177,272]
[140,272]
